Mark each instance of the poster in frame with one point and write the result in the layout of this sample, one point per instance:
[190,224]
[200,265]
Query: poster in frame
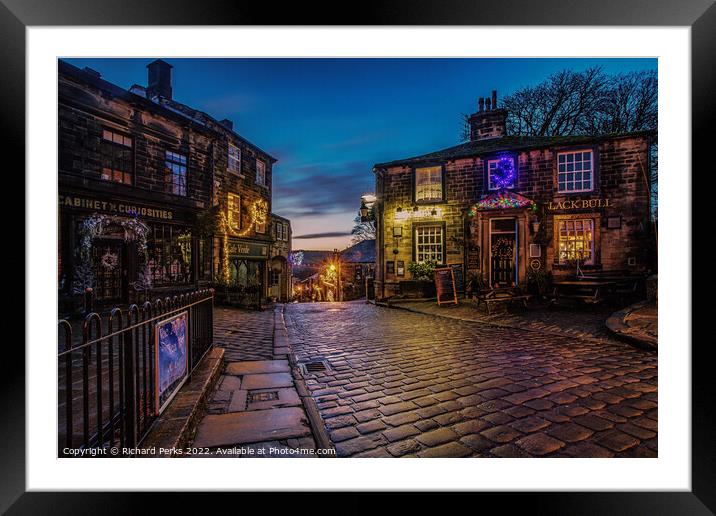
[171,358]
[694,502]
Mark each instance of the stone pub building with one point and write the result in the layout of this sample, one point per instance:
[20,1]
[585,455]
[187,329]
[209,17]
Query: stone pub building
[503,206]
[153,195]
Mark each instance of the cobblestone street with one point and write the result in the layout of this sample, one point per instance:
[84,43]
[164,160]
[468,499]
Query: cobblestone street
[408,384]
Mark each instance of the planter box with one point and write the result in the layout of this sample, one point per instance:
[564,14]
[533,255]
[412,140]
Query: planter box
[415,289]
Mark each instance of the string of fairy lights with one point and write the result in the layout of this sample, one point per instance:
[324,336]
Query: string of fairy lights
[259,216]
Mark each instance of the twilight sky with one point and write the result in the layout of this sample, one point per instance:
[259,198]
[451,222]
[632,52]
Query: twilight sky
[327,121]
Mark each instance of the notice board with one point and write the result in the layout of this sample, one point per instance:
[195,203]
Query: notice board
[445,285]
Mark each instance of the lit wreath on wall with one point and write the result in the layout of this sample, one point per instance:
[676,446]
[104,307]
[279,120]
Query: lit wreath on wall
[504,174]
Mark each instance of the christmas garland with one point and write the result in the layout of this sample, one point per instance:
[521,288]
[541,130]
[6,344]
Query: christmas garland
[93,227]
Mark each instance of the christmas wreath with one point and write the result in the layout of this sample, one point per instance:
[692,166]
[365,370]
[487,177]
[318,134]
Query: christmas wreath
[504,173]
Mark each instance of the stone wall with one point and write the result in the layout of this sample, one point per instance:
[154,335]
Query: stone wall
[621,172]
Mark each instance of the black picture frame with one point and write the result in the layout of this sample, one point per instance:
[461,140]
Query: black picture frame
[700,15]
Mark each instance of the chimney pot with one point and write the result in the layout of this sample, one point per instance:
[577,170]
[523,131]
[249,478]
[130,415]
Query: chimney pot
[494,99]
[487,105]
[159,79]
[481,104]
[92,71]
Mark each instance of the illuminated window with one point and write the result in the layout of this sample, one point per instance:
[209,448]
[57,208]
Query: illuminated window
[576,241]
[260,172]
[574,171]
[116,150]
[233,210]
[169,255]
[429,184]
[429,244]
[234,159]
[175,173]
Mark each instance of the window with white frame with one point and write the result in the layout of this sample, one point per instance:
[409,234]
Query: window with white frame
[575,171]
[429,244]
[234,159]
[260,172]
[117,162]
[279,231]
[429,184]
[576,241]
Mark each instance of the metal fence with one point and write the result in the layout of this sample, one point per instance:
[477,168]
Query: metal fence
[106,372]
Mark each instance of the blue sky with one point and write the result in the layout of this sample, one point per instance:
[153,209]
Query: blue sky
[328,121]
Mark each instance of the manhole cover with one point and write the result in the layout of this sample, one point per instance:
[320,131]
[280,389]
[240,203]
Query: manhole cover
[315,366]
[262,396]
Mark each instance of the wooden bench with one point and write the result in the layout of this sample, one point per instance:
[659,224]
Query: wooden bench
[504,296]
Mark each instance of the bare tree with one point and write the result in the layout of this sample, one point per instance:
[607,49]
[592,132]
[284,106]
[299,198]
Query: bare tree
[582,103]
[363,230]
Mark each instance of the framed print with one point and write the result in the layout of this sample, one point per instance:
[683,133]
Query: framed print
[171,358]
[444,135]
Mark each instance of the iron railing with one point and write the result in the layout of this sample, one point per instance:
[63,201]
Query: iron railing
[106,373]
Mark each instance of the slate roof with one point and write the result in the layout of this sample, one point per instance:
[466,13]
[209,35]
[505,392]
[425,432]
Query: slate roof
[362,252]
[505,143]
[170,107]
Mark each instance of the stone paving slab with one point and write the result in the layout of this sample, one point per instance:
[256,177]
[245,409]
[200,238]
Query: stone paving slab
[251,427]
[404,384]
[258,367]
[266,381]
[638,322]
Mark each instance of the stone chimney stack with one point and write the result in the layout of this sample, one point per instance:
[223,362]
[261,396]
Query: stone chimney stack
[159,79]
[489,121]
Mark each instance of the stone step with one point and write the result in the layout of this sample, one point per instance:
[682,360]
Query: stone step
[251,427]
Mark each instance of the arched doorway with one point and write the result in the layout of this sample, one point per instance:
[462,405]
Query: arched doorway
[278,279]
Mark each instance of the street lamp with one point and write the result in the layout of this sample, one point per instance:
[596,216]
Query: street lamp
[364,210]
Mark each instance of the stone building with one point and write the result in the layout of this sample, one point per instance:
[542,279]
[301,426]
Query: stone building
[154,195]
[280,275]
[503,206]
[357,264]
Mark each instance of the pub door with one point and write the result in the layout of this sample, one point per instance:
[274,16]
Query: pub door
[109,263]
[503,252]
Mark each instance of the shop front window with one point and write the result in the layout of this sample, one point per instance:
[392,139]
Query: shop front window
[169,255]
[429,244]
[576,241]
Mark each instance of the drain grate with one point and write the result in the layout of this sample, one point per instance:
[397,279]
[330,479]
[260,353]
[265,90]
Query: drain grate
[315,366]
[262,396]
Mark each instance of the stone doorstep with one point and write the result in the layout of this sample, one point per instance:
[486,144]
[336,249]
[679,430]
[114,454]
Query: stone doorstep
[251,427]
[174,427]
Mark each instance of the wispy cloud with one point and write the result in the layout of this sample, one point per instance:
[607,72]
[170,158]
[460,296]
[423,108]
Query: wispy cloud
[327,234]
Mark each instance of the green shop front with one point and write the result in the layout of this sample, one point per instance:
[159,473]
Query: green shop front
[247,261]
